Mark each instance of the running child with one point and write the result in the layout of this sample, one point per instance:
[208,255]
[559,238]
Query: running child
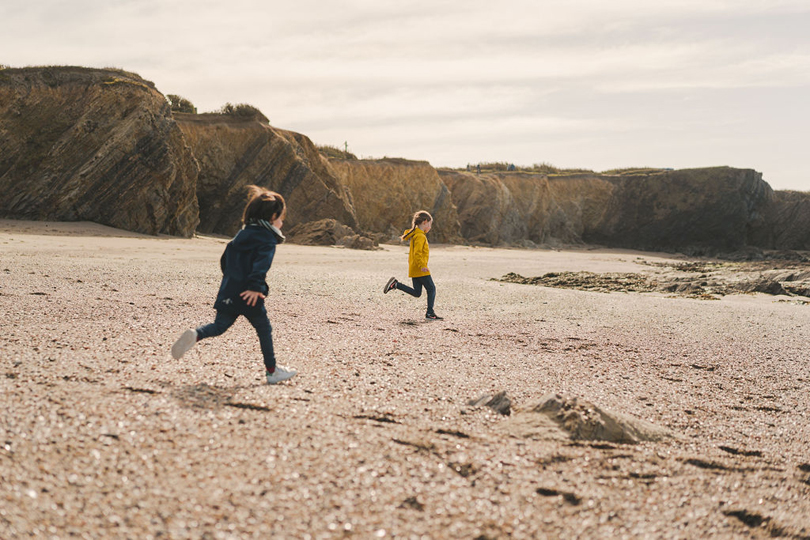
[418,256]
[245,263]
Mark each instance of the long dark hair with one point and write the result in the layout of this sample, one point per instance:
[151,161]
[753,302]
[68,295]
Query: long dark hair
[418,218]
[263,204]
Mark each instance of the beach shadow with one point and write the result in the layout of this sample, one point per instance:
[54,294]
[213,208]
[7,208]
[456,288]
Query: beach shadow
[204,396]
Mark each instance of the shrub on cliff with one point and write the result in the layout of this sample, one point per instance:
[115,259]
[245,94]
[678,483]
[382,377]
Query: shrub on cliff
[539,168]
[548,168]
[181,104]
[243,110]
[632,171]
[333,152]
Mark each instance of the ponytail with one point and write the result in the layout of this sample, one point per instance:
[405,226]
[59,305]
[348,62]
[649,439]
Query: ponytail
[418,218]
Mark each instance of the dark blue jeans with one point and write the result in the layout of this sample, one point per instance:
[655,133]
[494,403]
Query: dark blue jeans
[260,322]
[418,283]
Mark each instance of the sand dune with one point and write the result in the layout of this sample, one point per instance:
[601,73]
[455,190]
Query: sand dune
[104,435]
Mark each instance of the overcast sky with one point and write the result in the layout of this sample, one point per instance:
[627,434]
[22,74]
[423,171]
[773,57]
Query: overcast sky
[574,83]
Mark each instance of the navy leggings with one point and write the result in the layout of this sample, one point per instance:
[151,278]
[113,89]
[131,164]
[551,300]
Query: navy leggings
[418,283]
[261,323]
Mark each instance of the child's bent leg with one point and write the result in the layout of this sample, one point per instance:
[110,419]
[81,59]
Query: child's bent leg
[431,292]
[265,332]
[221,323]
[416,291]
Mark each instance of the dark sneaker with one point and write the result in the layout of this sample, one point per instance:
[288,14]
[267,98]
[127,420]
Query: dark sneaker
[433,317]
[390,286]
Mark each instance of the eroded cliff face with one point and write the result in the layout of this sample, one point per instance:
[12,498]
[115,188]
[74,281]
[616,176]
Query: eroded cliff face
[235,152]
[103,146]
[385,194]
[79,144]
[713,209]
[698,210]
[513,208]
[786,223]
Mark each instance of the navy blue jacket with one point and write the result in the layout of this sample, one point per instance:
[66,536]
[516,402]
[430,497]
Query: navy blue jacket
[244,264]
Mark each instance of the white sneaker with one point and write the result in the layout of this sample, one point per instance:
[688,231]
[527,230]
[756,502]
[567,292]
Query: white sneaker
[185,342]
[280,374]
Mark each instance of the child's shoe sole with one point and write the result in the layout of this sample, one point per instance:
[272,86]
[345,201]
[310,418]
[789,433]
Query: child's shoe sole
[281,374]
[185,342]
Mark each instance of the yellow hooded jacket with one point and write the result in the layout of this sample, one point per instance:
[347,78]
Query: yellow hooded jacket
[419,252]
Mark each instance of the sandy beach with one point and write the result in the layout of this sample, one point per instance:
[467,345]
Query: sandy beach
[104,435]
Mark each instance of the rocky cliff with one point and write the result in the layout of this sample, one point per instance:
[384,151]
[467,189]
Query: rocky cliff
[386,192]
[234,152]
[78,144]
[103,146]
[525,209]
[786,223]
[699,210]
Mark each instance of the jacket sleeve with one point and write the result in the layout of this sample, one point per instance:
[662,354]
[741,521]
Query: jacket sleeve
[420,252]
[261,265]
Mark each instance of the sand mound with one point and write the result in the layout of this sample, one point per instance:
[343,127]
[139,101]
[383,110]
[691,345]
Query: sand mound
[561,417]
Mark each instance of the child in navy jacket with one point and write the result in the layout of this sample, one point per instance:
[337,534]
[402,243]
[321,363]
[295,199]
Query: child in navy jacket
[244,264]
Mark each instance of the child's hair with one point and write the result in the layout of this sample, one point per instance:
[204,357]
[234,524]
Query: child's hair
[263,204]
[418,218]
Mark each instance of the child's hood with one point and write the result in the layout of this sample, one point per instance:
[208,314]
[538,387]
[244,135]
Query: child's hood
[407,234]
[252,237]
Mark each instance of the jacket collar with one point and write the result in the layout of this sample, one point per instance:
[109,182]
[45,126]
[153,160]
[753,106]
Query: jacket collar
[270,227]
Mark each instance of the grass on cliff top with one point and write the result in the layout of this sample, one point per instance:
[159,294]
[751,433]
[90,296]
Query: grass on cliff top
[333,152]
[56,75]
[537,168]
[551,170]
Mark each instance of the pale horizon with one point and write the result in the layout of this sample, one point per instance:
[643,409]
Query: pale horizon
[576,84]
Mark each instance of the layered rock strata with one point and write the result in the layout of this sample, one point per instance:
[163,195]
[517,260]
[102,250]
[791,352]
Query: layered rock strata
[786,222]
[234,152]
[513,208]
[386,192]
[102,145]
[78,144]
[699,210]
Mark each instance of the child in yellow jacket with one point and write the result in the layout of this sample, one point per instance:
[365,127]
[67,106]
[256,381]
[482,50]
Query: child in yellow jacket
[418,256]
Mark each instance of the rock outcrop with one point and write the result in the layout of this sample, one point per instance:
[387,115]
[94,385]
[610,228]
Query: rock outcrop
[80,144]
[513,208]
[699,210]
[103,146]
[234,152]
[705,210]
[324,232]
[786,224]
[386,192]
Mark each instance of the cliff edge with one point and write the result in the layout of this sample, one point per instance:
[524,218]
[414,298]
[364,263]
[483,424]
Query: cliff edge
[234,152]
[708,210]
[80,144]
[385,193]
